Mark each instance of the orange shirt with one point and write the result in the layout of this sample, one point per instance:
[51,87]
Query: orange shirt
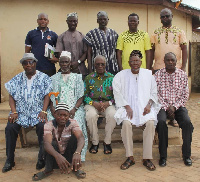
[167,40]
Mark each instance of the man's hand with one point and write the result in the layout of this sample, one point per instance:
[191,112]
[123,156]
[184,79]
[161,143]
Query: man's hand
[76,162]
[129,112]
[72,113]
[170,112]
[42,117]
[143,126]
[104,105]
[147,109]
[74,64]
[12,117]
[63,164]
[97,106]
[53,59]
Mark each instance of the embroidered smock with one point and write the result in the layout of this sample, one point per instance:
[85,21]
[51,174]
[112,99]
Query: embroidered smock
[103,43]
[98,89]
[167,40]
[29,96]
[128,41]
[52,129]
[172,88]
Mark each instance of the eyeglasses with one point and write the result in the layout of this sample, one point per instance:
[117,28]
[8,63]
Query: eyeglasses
[166,16]
[100,64]
[25,63]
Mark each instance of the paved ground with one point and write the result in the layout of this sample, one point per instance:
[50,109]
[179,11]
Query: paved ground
[101,167]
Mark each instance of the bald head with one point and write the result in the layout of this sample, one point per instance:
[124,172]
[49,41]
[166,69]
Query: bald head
[99,57]
[166,10]
[43,15]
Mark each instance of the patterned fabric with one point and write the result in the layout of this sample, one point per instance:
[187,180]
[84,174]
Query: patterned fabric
[172,88]
[103,44]
[167,40]
[29,102]
[52,129]
[127,42]
[69,92]
[98,89]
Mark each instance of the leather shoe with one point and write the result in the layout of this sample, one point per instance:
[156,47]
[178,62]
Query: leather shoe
[187,161]
[40,164]
[8,166]
[162,162]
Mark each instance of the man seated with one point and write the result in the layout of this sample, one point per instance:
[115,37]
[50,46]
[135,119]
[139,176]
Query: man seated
[63,142]
[135,94]
[173,93]
[99,100]
[28,100]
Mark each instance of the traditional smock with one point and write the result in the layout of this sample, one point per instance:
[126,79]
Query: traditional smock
[135,90]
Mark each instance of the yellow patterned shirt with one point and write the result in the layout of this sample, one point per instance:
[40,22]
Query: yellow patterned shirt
[127,42]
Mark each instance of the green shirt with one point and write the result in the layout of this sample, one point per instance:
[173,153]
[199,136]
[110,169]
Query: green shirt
[98,89]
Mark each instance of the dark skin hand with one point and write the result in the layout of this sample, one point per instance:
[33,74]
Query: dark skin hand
[78,103]
[170,112]
[42,116]
[101,106]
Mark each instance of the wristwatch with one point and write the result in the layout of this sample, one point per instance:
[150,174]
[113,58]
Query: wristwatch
[79,62]
[110,103]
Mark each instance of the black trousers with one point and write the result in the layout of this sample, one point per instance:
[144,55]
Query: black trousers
[50,162]
[11,133]
[181,116]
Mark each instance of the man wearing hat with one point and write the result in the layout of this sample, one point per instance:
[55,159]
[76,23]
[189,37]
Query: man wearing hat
[63,142]
[28,100]
[102,41]
[72,41]
[35,42]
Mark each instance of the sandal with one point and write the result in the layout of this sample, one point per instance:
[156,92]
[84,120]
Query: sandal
[41,175]
[94,149]
[173,123]
[127,164]
[80,174]
[107,148]
[149,165]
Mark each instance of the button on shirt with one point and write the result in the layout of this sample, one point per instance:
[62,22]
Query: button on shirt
[172,88]
[36,39]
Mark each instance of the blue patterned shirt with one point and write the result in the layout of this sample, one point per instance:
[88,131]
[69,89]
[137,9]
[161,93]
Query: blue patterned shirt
[29,102]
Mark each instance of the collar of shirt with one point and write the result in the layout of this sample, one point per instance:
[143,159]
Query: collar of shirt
[47,30]
[96,75]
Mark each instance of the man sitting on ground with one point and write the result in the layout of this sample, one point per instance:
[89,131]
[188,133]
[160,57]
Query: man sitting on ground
[173,94]
[99,100]
[63,142]
[135,94]
[28,100]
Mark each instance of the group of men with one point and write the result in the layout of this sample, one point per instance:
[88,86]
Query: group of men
[118,87]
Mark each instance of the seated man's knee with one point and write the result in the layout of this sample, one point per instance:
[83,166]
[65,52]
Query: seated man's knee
[12,127]
[126,124]
[90,114]
[150,124]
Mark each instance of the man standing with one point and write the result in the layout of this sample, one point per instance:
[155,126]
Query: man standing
[102,41]
[72,41]
[35,42]
[173,94]
[168,38]
[63,142]
[133,39]
[99,100]
[28,100]
[135,94]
